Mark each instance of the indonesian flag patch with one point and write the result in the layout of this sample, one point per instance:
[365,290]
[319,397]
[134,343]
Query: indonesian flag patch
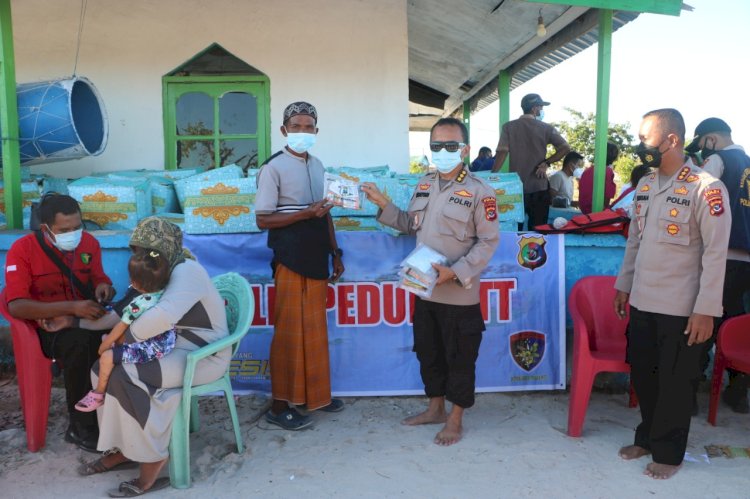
[490,208]
[715,201]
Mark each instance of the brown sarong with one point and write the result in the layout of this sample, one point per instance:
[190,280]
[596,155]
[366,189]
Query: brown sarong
[300,370]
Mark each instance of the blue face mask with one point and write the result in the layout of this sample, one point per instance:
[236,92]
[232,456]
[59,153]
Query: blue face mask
[67,241]
[300,142]
[445,161]
[540,116]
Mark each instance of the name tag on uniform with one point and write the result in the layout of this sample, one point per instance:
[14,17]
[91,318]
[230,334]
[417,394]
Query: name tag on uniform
[423,194]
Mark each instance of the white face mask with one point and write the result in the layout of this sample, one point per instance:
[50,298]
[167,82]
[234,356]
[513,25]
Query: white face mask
[67,241]
[300,142]
[578,172]
[540,116]
[445,161]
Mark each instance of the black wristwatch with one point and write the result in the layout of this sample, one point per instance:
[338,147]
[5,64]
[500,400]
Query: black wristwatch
[338,252]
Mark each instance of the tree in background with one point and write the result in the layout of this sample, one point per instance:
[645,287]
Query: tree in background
[419,164]
[580,132]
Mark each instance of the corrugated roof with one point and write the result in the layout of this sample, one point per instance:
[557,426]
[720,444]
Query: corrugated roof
[458,47]
[488,94]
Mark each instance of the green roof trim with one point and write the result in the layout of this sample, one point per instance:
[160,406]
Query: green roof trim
[668,7]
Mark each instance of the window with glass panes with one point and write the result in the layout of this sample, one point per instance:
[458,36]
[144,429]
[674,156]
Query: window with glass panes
[214,121]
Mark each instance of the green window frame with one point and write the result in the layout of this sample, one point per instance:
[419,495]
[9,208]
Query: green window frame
[212,139]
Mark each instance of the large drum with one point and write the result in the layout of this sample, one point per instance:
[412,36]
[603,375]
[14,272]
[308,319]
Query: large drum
[59,120]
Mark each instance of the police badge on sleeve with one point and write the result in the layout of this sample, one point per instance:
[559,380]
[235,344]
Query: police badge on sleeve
[715,201]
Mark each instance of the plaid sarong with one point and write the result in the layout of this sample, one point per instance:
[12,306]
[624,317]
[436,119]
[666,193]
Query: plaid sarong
[300,370]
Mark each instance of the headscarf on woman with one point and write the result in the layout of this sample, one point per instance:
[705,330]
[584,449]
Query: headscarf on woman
[155,233]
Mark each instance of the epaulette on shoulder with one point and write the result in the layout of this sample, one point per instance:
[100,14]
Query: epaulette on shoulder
[462,175]
[689,174]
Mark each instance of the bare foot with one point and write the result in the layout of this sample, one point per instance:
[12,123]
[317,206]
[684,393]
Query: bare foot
[633,452]
[450,434]
[149,473]
[661,471]
[430,416]
[113,459]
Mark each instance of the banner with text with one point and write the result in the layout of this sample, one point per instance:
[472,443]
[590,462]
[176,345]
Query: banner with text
[369,317]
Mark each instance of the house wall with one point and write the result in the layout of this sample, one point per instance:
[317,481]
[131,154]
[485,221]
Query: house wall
[347,57]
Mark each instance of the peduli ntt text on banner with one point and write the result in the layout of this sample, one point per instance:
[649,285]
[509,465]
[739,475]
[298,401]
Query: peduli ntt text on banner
[369,317]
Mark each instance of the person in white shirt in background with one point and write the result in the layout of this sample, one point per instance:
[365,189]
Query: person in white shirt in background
[627,196]
[561,182]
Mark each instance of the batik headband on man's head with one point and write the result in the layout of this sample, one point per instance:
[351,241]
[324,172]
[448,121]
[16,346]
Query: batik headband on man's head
[300,107]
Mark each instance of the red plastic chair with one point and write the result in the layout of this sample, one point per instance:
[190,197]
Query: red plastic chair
[34,374]
[599,343]
[732,352]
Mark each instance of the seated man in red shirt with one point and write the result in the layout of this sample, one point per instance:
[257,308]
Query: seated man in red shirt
[586,183]
[57,271]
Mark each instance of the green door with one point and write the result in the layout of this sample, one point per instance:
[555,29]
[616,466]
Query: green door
[216,121]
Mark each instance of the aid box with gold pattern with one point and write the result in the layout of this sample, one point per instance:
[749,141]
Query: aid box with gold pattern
[359,175]
[509,193]
[113,204]
[398,190]
[220,206]
[163,196]
[176,218]
[223,173]
[29,194]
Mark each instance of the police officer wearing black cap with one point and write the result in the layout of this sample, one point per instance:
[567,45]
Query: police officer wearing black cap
[526,140]
[728,161]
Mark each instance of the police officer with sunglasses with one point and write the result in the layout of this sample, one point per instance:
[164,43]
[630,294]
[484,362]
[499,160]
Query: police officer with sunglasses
[454,213]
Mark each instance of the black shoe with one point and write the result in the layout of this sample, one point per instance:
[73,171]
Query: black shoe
[736,401]
[83,440]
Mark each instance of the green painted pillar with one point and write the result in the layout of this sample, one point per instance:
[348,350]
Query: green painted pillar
[467,122]
[9,122]
[503,95]
[602,107]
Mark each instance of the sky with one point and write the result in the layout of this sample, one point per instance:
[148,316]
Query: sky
[697,63]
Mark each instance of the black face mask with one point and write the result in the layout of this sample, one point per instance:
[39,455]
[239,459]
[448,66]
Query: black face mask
[649,156]
[707,151]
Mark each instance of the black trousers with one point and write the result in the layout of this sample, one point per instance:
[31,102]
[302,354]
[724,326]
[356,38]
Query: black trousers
[446,341]
[736,284]
[664,371]
[75,350]
[536,206]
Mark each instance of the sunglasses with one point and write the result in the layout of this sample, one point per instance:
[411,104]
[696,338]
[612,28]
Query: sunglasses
[451,146]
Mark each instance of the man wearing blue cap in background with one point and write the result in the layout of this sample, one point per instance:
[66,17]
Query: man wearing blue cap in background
[526,140]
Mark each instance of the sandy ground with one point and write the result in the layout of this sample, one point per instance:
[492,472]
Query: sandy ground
[514,446]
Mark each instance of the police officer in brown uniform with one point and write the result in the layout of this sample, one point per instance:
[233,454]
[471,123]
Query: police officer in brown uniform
[455,213]
[672,274]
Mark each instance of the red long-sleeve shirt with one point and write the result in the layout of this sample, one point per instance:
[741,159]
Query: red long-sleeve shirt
[30,274]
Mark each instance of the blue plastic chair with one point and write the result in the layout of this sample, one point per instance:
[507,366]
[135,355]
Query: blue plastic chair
[240,305]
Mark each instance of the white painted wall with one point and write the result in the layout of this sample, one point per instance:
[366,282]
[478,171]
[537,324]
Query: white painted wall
[347,57]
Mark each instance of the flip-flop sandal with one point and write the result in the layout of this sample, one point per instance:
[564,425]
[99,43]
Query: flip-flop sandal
[130,489]
[289,420]
[98,466]
[336,405]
